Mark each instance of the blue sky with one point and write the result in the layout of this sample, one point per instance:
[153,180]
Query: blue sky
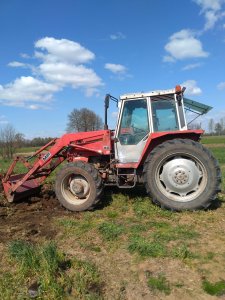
[59,55]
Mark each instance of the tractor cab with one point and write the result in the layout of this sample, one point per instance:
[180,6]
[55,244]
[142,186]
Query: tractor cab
[142,114]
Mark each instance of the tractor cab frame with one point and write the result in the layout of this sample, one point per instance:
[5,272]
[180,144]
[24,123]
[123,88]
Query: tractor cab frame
[142,114]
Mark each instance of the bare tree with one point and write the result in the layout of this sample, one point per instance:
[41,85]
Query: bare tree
[211,126]
[222,123]
[195,126]
[7,141]
[83,120]
[218,128]
[19,140]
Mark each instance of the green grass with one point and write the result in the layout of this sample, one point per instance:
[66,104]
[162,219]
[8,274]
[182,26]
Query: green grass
[143,208]
[42,264]
[159,283]
[25,254]
[223,177]
[76,227]
[183,252]
[171,233]
[11,286]
[213,139]
[146,248]
[219,153]
[5,163]
[26,149]
[54,275]
[111,231]
[87,282]
[214,289]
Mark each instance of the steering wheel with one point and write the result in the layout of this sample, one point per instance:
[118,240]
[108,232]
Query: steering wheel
[126,139]
[137,130]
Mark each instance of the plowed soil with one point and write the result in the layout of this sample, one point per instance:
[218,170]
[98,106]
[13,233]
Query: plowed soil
[30,218]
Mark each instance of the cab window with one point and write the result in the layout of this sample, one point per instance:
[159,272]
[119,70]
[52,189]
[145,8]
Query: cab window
[134,122]
[164,115]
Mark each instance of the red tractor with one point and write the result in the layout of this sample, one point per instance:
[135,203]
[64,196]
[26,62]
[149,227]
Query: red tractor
[151,145]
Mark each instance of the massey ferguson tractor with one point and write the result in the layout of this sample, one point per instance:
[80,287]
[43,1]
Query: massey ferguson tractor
[150,145]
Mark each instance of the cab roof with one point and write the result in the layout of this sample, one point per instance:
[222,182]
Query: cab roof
[147,94]
[189,104]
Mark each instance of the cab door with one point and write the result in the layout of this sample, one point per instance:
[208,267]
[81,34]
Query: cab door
[132,130]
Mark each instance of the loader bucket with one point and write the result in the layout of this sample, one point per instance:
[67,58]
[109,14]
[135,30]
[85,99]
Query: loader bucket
[28,188]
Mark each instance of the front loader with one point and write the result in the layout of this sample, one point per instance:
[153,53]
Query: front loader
[151,145]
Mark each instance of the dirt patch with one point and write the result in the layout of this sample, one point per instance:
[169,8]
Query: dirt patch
[30,218]
[214,145]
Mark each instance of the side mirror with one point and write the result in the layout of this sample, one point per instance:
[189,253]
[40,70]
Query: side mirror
[107,97]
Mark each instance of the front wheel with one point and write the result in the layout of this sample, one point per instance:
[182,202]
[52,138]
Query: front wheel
[182,175]
[78,186]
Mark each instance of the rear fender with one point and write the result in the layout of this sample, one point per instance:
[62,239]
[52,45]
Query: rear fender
[158,138]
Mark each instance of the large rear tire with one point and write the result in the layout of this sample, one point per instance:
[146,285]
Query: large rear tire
[78,186]
[181,174]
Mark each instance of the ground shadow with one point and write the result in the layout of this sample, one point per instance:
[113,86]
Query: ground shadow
[107,196]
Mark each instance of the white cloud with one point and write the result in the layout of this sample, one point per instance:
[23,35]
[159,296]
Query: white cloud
[34,106]
[62,64]
[211,9]
[3,120]
[221,86]
[115,68]
[68,74]
[168,58]
[63,50]
[191,66]
[183,45]
[191,88]
[117,36]
[24,90]
[211,18]
[16,64]
[209,4]
[25,55]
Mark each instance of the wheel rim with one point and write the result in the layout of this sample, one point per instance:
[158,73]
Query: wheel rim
[181,177]
[75,189]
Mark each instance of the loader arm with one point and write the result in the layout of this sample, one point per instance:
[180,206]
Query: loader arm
[47,158]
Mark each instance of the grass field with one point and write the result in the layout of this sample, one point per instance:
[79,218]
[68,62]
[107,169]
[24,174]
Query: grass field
[27,149]
[127,248]
[208,140]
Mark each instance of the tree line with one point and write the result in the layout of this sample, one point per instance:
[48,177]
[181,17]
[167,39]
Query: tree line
[11,140]
[214,128]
